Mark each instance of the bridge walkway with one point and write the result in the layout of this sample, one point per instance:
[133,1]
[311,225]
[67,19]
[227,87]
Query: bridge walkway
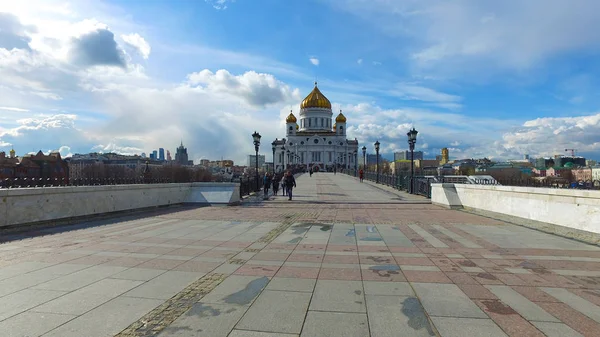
[342,259]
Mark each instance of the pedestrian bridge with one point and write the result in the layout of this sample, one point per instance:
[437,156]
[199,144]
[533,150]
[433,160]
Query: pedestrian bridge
[343,258]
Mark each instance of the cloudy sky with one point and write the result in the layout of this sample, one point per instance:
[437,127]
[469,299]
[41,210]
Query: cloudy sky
[481,77]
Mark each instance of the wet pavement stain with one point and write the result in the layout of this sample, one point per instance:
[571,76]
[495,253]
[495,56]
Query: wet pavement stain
[371,239]
[412,308]
[379,259]
[246,295]
[295,240]
[371,229]
[497,307]
[201,310]
[326,228]
[358,292]
[487,276]
[351,233]
[385,267]
[467,263]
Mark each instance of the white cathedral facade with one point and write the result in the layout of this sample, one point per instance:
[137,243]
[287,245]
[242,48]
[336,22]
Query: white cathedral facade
[314,140]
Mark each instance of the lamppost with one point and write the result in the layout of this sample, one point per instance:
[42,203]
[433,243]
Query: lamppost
[274,146]
[377,158]
[355,153]
[364,148]
[289,158]
[283,157]
[412,140]
[256,137]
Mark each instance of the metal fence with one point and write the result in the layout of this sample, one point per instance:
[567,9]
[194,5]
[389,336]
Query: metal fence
[50,182]
[421,185]
[248,185]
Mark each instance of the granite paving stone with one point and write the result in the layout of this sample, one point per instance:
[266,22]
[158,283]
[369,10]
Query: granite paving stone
[391,316]
[276,311]
[335,324]
[446,300]
[325,264]
[339,296]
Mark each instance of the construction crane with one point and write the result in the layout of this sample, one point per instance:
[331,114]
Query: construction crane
[572,151]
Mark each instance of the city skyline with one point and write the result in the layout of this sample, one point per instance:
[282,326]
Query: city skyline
[466,81]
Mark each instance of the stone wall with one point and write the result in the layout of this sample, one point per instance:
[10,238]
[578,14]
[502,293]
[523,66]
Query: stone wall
[33,205]
[575,209]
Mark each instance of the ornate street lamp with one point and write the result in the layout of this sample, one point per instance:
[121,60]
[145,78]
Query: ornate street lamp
[256,137]
[412,140]
[364,149]
[274,146]
[355,153]
[377,158]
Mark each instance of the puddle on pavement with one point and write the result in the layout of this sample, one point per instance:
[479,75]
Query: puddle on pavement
[498,307]
[351,233]
[295,240]
[412,308]
[246,295]
[371,239]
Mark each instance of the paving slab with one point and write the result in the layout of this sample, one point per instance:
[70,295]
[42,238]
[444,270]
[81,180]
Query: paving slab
[335,324]
[31,323]
[292,284]
[80,278]
[446,300]
[338,296]
[238,290]
[205,320]
[26,299]
[276,311]
[392,316]
[580,304]
[388,288]
[165,285]
[87,298]
[462,327]
[552,329]
[138,274]
[521,304]
[120,312]
[246,333]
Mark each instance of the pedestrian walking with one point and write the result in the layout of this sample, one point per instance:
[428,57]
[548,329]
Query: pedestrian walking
[266,183]
[311,171]
[361,175]
[290,183]
[275,184]
[334,170]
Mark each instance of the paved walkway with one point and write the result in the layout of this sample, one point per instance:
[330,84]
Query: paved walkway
[316,266]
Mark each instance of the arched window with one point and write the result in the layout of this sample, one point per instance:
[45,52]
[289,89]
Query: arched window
[291,128]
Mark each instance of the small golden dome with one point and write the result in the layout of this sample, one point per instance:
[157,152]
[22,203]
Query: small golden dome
[12,152]
[291,118]
[315,100]
[340,118]
[334,126]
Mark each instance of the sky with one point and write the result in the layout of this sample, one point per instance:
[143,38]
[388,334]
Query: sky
[485,78]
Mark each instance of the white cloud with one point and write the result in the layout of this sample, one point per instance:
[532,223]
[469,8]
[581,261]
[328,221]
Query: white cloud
[219,4]
[137,42]
[257,89]
[376,63]
[7,108]
[314,61]
[359,61]
[480,37]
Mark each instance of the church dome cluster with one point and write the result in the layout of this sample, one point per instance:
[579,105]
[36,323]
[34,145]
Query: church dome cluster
[315,99]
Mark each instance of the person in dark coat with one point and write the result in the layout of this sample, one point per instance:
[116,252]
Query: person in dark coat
[266,183]
[290,183]
[275,185]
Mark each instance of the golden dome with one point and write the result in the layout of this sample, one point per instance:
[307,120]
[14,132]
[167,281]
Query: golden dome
[291,118]
[340,118]
[12,152]
[315,100]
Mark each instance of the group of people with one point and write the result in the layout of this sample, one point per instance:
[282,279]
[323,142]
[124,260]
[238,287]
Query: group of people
[287,181]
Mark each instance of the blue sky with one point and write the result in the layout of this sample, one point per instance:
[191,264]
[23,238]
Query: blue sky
[480,77]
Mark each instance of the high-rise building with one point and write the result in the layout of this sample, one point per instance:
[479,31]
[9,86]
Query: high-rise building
[405,155]
[143,155]
[252,160]
[161,154]
[169,155]
[155,154]
[372,159]
[181,156]
[445,156]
